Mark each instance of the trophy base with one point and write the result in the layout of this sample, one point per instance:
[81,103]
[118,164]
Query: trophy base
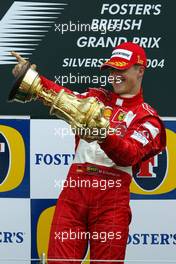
[17,82]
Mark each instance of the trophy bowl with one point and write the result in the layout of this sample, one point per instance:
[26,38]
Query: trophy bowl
[17,94]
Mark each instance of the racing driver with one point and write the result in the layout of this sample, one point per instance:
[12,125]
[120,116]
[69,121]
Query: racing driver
[140,135]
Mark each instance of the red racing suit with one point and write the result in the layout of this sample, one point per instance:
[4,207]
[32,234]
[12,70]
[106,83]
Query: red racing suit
[103,214]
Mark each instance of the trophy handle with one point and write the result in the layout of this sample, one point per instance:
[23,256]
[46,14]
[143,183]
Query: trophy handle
[18,81]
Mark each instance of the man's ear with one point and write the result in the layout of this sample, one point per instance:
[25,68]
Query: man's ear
[141,71]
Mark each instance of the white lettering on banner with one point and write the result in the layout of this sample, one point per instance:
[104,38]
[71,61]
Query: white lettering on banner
[105,25]
[131,9]
[96,63]
[153,63]
[121,53]
[83,62]
[99,25]
[140,138]
[94,42]
[147,42]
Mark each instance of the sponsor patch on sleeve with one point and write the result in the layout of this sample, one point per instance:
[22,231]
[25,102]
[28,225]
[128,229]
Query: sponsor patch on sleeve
[153,130]
[140,138]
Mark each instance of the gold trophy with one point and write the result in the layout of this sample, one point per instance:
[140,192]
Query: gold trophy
[84,115]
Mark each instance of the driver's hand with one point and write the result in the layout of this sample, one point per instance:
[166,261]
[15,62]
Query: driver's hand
[21,61]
